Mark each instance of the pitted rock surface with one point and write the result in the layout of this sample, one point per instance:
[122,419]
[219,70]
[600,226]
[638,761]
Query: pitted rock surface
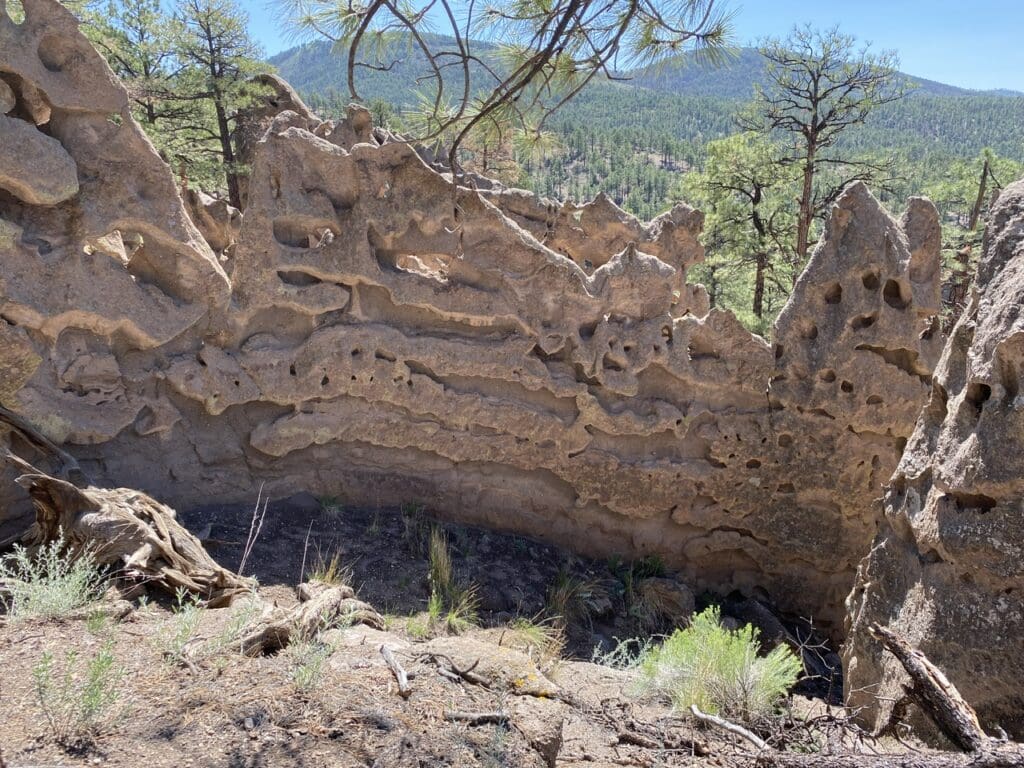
[388,337]
[947,569]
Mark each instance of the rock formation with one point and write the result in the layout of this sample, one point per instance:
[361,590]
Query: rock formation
[947,569]
[387,336]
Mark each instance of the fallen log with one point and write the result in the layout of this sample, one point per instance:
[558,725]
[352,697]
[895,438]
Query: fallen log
[129,530]
[322,607]
[932,691]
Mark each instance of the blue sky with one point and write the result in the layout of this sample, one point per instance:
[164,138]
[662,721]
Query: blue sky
[972,43]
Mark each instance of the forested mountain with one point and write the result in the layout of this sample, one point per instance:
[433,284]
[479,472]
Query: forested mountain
[692,103]
[646,142]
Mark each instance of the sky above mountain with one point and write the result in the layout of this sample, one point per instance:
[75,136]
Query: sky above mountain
[973,45]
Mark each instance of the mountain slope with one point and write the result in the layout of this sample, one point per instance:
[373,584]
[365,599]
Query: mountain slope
[737,77]
[692,103]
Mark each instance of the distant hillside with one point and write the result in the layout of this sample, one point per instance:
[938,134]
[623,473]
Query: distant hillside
[736,78]
[694,103]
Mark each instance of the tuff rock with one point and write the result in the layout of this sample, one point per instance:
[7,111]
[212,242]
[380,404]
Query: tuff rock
[388,336]
[947,568]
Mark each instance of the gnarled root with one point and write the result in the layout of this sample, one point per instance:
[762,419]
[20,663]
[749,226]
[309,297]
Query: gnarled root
[322,607]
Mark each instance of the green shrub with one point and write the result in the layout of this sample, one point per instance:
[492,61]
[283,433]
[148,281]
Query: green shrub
[49,583]
[719,670]
[78,704]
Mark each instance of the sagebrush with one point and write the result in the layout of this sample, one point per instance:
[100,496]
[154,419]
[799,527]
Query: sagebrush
[50,582]
[719,670]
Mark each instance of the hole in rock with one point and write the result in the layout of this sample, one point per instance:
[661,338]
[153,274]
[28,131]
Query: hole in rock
[291,369]
[811,332]
[325,380]
[753,464]
[778,351]
[895,295]
[871,280]
[874,400]
[303,231]
[786,488]
[977,394]
[15,11]
[785,440]
[609,364]
[827,375]
[834,294]
[847,387]
[298,278]
[972,501]
[55,52]
[863,321]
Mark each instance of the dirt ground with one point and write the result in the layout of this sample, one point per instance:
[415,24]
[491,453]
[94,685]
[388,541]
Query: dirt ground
[528,708]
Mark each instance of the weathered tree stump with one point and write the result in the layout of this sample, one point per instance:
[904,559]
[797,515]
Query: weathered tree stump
[130,530]
[322,607]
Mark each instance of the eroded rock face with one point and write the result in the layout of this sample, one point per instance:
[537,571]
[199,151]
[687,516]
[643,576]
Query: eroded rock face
[511,362]
[947,569]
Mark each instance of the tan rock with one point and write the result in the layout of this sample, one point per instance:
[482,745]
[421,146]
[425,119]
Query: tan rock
[33,166]
[503,669]
[541,721]
[522,364]
[947,567]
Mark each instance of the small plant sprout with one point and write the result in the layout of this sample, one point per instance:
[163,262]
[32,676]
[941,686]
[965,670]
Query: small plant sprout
[719,670]
[175,636]
[78,703]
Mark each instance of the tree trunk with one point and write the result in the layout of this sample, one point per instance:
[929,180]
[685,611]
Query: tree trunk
[803,222]
[762,264]
[934,693]
[972,223]
[227,153]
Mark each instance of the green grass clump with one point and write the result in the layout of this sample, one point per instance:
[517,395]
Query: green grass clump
[331,571]
[50,583]
[719,670]
[308,657]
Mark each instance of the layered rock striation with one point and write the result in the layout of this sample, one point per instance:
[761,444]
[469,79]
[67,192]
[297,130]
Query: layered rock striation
[947,569]
[386,335]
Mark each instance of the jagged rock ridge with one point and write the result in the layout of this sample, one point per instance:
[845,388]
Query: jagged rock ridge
[381,334]
[947,569]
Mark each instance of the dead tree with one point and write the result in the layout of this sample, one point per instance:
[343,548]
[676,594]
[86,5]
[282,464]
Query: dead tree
[937,697]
